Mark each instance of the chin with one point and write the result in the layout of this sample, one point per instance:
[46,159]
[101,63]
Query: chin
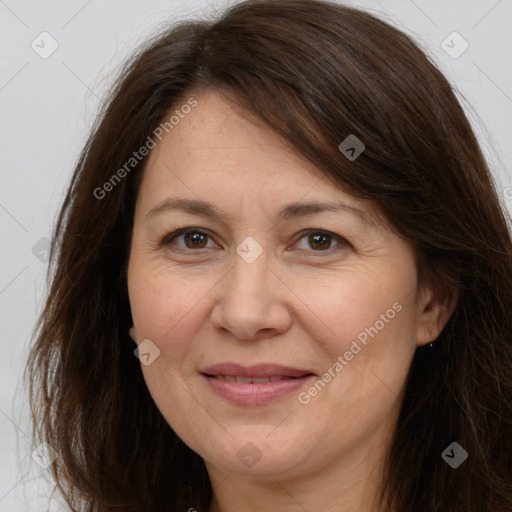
[257,452]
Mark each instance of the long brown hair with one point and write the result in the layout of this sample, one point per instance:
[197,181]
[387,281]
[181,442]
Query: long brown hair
[315,72]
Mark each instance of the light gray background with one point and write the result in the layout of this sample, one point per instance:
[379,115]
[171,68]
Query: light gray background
[48,105]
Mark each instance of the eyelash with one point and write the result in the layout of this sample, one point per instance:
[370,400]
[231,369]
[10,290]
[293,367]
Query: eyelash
[168,239]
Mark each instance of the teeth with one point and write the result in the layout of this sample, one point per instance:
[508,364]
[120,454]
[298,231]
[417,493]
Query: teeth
[261,380]
[246,380]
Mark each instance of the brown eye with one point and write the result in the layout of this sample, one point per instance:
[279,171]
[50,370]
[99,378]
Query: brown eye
[321,241]
[193,238]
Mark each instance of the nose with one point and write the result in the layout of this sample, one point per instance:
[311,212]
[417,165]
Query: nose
[251,302]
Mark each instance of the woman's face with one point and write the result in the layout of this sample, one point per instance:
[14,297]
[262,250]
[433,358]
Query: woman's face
[323,301]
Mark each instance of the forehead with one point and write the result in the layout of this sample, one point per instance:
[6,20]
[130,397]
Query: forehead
[218,154]
[215,136]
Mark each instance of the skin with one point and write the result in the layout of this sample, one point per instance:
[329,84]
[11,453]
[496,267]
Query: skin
[299,304]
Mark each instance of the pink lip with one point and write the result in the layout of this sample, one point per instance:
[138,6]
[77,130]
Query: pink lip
[255,393]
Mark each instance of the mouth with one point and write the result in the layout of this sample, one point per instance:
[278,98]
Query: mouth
[254,385]
[251,380]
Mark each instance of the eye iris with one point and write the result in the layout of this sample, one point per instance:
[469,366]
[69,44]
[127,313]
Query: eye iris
[319,238]
[195,237]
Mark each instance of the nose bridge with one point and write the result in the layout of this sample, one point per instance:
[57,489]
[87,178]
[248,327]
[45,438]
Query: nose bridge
[249,276]
[248,302]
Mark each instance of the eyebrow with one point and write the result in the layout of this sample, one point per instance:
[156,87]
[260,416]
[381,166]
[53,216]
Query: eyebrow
[290,211]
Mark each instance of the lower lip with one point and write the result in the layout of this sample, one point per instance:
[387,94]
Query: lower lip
[255,394]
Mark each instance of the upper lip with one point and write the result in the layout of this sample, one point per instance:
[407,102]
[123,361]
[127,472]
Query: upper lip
[259,370]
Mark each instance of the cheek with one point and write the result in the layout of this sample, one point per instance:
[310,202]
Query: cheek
[370,321]
[165,305]
[168,309]
[361,306]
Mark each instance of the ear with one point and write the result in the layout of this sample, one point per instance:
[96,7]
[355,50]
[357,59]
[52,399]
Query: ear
[132,334]
[436,306]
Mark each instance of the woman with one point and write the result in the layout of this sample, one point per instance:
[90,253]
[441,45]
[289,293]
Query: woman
[281,280]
